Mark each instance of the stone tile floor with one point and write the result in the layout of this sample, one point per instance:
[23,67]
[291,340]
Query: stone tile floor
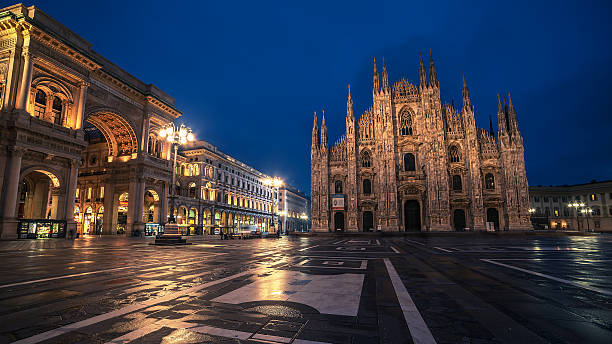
[449,289]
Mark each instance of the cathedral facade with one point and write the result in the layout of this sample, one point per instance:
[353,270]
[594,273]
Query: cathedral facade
[413,162]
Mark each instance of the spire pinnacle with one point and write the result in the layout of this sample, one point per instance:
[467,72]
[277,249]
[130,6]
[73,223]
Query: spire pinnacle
[315,132]
[491,126]
[349,103]
[385,76]
[376,83]
[323,131]
[467,102]
[500,109]
[422,75]
[433,77]
[510,103]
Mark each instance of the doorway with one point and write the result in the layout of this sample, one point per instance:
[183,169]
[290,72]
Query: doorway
[493,216]
[368,221]
[412,216]
[339,221]
[459,220]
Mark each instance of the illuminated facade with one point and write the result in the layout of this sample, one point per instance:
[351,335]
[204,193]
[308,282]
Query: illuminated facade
[294,210]
[413,162]
[216,191]
[551,206]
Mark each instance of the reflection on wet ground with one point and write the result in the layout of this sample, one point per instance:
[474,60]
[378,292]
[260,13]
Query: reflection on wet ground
[444,289]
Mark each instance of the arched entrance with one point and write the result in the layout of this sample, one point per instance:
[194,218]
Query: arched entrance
[38,196]
[99,220]
[368,221]
[122,212]
[493,216]
[118,134]
[339,221]
[88,221]
[151,207]
[412,216]
[459,220]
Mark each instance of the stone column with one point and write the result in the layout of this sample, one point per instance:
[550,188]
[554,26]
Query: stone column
[78,119]
[26,81]
[12,78]
[9,193]
[135,206]
[163,204]
[71,186]
[109,208]
[145,135]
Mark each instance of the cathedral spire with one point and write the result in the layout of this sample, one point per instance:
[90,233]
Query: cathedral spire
[385,77]
[349,103]
[323,133]
[512,122]
[433,77]
[376,86]
[422,75]
[467,102]
[501,119]
[491,126]
[315,132]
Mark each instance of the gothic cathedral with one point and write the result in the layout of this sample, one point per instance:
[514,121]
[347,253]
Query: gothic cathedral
[413,162]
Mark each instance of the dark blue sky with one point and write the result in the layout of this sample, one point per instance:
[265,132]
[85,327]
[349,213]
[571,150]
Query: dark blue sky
[248,75]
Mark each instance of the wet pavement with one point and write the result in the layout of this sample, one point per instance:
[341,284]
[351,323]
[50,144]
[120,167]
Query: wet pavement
[423,289]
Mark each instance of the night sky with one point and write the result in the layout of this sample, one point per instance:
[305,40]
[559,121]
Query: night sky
[248,75]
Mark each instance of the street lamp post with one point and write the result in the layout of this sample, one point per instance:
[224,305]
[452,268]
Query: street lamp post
[576,205]
[587,211]
[274,183]
[176,136]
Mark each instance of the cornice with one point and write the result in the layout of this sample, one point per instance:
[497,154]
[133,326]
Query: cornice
[162,106]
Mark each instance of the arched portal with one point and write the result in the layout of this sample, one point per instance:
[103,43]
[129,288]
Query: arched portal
[122,212]
[339,221]
[39,193]
[182,215]
[151,207]
[412,216]
[493,217]
[368,221]
[459,220]
[117,132]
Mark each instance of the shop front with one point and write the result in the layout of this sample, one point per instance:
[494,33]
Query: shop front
[39,229]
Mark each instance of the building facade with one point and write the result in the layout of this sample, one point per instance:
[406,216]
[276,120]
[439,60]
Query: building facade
[413,162]
[80,150]
[550,206]
[294,210]
[218,192]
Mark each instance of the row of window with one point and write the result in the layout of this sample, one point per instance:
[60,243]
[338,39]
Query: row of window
[409,159]
[591,197]
[456,184]
[566,212]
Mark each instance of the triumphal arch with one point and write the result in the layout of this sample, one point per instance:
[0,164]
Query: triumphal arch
[78,146]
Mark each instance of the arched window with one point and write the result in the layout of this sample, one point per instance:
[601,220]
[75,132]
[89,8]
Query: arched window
[338,187]
[158,148]
[192,189]
[366,159]
[453,154]
[40,104]
[367,187]
[409,164]
[150,145]
[489,181]
[183,170]
[225,198]
[406,123]
[457,182]
[57,110]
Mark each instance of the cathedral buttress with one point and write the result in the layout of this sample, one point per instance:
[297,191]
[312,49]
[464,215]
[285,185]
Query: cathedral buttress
[352,184]
[472,160]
